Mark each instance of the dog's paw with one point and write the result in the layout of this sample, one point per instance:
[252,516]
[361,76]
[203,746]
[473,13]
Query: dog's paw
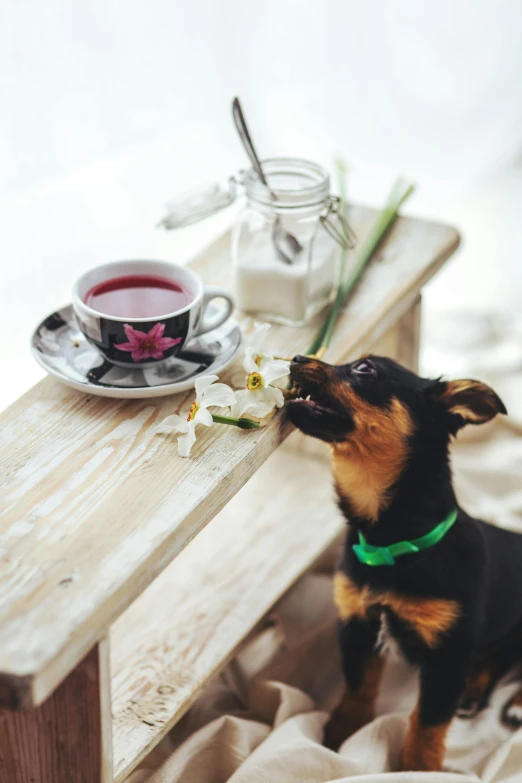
[512,712]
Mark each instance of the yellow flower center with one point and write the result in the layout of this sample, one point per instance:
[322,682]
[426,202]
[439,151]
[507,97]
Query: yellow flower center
[254,381]
[193,410]
[258,360]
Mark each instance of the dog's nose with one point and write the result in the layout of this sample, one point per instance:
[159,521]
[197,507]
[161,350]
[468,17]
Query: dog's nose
[301,359]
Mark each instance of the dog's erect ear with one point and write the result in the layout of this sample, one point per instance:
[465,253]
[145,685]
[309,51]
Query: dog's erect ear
[469,402]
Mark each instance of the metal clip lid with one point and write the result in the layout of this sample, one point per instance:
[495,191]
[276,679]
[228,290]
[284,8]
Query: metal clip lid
[197,204]
[341,233]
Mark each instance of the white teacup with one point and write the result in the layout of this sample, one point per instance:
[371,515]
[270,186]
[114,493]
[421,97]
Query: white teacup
[128,341]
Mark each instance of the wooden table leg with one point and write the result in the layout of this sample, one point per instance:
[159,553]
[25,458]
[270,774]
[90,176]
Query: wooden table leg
[68,738]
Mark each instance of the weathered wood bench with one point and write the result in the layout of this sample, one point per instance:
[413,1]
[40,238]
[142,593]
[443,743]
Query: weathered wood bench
[107,633]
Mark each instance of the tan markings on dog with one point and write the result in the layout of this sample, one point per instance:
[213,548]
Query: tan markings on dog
[474,401]
[424,746]
[429,617]
[369,462]
[456,389]
[350,600]
[356,708]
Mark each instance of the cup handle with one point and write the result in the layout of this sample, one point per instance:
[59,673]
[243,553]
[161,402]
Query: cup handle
[208,323]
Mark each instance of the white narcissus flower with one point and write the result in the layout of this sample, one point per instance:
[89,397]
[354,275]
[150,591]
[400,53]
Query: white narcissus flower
[259,398]
[208,394]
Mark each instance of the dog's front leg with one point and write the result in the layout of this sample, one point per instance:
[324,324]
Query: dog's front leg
[362,670]
[443,680]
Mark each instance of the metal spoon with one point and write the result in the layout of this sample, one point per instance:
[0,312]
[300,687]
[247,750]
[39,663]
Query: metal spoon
[287,247]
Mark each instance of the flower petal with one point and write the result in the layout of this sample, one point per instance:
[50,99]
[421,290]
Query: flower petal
[238,379]
[174,423]
[273,369]
[249,360]
[156,333]
[243,400]
[185,442]
[167,342]
[204,417]
[262,407]
[258,338]
[274,396]
[134,335]
[203,383]
[218,394]
[138,354]
[125,346]
[252,402]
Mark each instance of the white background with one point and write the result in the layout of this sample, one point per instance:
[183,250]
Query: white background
[111,107]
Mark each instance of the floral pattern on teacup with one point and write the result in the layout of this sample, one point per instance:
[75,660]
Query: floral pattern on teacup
[146,345]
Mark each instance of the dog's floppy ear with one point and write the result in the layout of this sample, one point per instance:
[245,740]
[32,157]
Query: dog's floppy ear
[468,401]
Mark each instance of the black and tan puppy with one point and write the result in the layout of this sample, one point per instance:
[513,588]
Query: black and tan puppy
[416,567]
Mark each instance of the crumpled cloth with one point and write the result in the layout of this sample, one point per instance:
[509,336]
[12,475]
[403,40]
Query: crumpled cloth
[262,720]
[280,736]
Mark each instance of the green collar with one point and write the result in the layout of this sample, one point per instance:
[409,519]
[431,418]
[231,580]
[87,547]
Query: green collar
[385,555]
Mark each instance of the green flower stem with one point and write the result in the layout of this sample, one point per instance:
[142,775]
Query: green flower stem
[342,168]
[318,340]
[319,337]
[386,218]
[243,423]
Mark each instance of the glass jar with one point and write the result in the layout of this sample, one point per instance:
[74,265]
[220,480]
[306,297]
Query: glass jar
[287,291]
[277,277]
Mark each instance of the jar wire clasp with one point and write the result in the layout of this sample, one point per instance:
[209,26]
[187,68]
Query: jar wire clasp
[335,223]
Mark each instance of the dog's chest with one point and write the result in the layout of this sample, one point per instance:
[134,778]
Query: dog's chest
[428,618]
[386,643]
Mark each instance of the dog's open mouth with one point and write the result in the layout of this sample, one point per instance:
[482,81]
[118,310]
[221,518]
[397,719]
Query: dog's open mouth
[313,397]
[314,413]
[311,402]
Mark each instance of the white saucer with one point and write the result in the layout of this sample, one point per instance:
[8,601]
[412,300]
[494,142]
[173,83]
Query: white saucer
[61,349]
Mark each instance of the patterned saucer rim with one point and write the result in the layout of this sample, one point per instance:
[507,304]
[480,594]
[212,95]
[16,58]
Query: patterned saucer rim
[137,392]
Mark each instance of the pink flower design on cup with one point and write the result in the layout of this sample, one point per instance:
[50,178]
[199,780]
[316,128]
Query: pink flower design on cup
[146,345]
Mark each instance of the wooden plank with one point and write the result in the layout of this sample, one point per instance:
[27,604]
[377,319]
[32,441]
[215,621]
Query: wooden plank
[409,337]
[67,738]
[187,624]
[94,504]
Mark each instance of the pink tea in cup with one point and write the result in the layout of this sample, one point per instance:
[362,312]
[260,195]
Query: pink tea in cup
[137,296]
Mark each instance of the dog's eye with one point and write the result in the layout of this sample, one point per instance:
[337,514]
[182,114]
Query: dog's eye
[364,367]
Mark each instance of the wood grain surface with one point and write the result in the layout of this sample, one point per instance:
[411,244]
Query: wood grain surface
[94,503]
[186,625]
[68,738]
